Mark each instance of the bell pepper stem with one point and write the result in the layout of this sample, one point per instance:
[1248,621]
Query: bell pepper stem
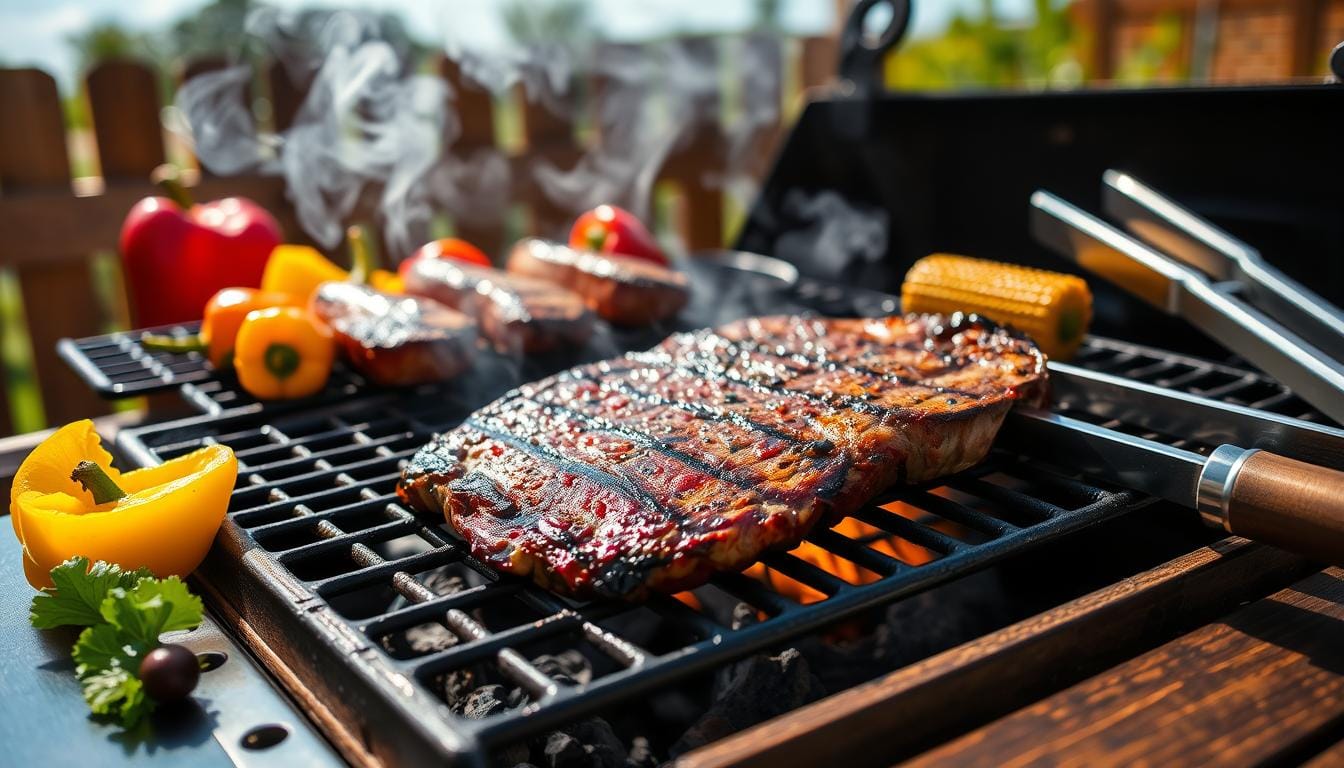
[158,342]
[169,180]
[96,482]
[595,237]
[362,258]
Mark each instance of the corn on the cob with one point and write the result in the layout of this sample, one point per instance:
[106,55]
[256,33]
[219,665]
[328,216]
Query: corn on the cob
[1053,308]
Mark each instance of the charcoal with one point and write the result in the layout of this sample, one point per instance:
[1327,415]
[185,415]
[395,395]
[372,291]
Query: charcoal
[455,687]
[563,751]
[430,638]
[484,702]
[761,688]
[441,581]
[641,754]
[744,615]
[569,667]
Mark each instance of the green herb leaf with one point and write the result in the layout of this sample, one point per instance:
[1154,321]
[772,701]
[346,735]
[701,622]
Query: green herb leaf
[124,613]
[117,692]
[79,592]
[106,647]
[153,607]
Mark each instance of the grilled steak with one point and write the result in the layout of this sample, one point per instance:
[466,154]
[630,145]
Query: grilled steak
[620,289]
[518,314]
[652,471]
[396,340]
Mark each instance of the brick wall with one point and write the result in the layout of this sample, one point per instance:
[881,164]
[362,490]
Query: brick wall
[1253,39]
[1253,44]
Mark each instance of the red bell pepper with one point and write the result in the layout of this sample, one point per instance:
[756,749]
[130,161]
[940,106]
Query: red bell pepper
[176,255]
[608,229]
[446,248]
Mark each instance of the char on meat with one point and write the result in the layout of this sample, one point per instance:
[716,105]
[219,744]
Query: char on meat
[622,290]
[396,340]
[652,471]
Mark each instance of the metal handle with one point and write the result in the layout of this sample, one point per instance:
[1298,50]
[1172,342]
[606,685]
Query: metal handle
[1276,500]
[862,52]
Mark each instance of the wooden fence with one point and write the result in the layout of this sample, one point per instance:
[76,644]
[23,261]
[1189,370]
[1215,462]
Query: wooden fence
[53,224]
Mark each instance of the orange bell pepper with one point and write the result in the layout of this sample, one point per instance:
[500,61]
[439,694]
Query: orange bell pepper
[67,499]
[282,353]
[220,322]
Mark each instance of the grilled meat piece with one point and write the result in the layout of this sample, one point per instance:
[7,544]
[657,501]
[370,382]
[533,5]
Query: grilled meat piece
[518,314]
[396,340]
[620,289]
[652,471]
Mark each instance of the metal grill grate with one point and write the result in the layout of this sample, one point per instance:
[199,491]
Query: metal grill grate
[319,552]
[316,524]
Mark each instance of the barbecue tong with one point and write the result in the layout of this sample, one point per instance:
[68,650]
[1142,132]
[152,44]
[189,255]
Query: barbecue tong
[1264,480]
[1182,290]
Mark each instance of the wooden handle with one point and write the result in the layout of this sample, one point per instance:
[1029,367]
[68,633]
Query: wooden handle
[1290,504]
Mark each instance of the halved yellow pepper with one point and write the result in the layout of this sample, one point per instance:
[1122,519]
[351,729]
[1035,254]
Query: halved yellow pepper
[299,269]
[163,518]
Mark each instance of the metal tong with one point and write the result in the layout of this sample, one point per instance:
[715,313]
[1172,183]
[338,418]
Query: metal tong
[1184,291]
[1185,236]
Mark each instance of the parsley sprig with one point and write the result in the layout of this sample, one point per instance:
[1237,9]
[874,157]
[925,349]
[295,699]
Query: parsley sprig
[123,613]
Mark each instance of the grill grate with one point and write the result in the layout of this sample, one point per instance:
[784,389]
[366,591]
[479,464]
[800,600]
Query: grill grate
[317,524]
[319,553]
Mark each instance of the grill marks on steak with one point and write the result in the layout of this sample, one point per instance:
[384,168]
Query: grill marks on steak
[652,471]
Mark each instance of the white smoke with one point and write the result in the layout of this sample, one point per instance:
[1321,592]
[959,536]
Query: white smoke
[370,134]
[364,128]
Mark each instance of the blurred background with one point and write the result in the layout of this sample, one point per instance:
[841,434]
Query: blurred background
[523,77]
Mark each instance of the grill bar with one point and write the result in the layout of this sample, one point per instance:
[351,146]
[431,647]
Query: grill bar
[319,505]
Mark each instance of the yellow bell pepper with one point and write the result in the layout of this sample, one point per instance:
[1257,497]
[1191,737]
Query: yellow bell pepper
[67,499]
[298,270]
[282,353]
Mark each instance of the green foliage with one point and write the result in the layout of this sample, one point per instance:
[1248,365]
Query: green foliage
[979,51]
[1156,56]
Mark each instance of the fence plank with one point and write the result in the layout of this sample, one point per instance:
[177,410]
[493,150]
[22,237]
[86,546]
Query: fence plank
[57,293]
[475,109]
[124,105]
[549,139]
[696,163]
[818,61]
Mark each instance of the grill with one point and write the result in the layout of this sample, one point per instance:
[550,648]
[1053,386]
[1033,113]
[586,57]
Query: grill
[328,573]
[319,555]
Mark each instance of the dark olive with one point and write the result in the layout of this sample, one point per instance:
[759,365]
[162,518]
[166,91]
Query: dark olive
[169,673]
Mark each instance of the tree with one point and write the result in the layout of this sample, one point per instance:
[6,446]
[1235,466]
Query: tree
[107,40]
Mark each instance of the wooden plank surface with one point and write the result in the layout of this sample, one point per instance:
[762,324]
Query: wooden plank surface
[1253,688]
[58,296]
[124,107]
[927,703]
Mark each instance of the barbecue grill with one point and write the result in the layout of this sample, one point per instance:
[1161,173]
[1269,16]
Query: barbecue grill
[331,578]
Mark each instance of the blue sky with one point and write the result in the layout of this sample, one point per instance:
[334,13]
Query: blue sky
[33,32]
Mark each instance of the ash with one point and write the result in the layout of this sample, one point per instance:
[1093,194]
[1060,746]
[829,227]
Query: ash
[661,727]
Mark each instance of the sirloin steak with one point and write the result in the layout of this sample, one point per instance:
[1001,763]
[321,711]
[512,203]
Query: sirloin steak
[652,471]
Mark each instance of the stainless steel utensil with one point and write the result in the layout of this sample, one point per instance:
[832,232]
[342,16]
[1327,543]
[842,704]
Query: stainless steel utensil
[1183,235]
[1246,491]
[1185,292]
